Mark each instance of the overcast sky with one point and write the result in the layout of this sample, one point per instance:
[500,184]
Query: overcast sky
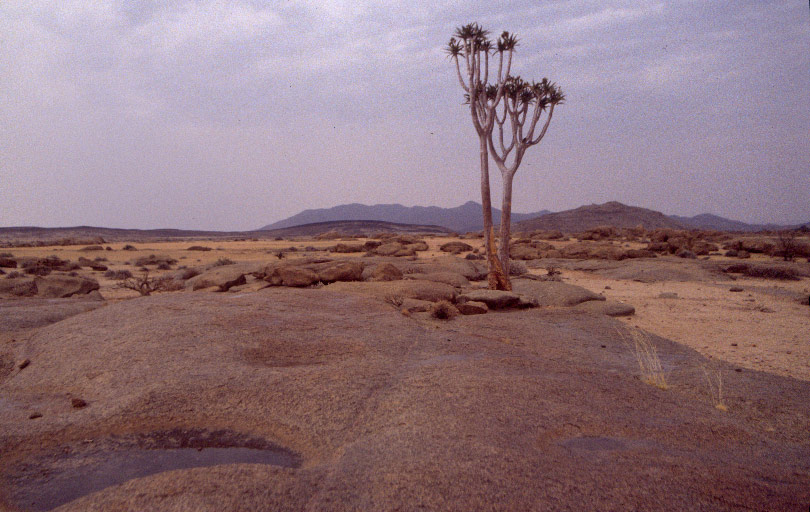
[230,115]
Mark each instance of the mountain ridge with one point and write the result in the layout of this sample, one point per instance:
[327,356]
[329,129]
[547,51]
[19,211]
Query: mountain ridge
[461,219]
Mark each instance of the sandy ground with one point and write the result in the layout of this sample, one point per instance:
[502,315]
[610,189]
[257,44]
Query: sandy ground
[758,328]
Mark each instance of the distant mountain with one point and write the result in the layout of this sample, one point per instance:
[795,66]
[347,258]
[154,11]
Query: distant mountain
[355,227]
[717,223]
[461,219]
[608,214]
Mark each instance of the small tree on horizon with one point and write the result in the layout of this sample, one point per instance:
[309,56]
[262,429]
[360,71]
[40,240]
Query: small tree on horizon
[471,45]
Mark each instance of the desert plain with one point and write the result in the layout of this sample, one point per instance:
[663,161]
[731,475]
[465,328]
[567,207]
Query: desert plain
[375,372]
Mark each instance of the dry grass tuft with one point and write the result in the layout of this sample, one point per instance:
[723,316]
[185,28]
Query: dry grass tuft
[648,361]
[714,377]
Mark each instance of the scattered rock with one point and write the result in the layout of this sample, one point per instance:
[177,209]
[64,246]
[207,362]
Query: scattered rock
[92,248]
[333,271]
[292,276]
[8,263]
[18,286]
[60,286]
[348,248]
[385,272]
[455,247]
[78,403]
[224,277]
[416,305]
[554,293]
[450,278]
[472,308]
[735,289]
[24,364]
[667,295]
[494,299]
[608,307]
[35,415]
[414,289]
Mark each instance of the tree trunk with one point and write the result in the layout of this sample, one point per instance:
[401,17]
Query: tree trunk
[506,224]
[497,279]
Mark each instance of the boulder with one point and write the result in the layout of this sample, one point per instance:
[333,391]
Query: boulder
[455,247]
[524,252]
[389,249]
[472,270]
[60,286]
[472,308]
[494,299]
[338,271]
[416,305]
[288,275]
[451,278]
[223,277]
[411,289]
[18,287]
[383,272]
[554,293]
[417,246]
[608,307]
[347,248]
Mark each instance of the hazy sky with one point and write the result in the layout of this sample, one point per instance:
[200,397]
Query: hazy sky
[233,114]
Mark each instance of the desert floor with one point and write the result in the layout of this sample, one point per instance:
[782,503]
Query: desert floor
[351,404]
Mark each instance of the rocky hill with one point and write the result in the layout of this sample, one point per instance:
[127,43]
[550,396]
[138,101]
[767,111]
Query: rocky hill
[608,214]
[461,219]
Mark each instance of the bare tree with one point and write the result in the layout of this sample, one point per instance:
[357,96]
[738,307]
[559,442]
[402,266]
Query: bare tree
[523,106]
[472,46]
[787,245]
[516,99]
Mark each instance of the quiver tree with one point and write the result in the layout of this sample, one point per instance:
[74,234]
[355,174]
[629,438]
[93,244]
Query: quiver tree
[516,130]
[470,50]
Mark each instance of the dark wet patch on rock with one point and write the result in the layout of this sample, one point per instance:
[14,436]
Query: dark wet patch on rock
[70,472]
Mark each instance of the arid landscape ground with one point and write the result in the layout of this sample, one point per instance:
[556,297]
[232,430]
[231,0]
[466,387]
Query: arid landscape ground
[319,373]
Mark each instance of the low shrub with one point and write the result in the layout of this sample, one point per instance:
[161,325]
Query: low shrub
[118,275]
[222,262]
[443,310]
[198,248]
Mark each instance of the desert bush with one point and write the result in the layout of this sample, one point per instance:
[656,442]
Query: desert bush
[13,274]
[118,275]
[129,248]
[164,266]
[443,310]
[6,255]
[222,262]
[647,357]
[146,285]
[198,248]
[92,248]
[100,258]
